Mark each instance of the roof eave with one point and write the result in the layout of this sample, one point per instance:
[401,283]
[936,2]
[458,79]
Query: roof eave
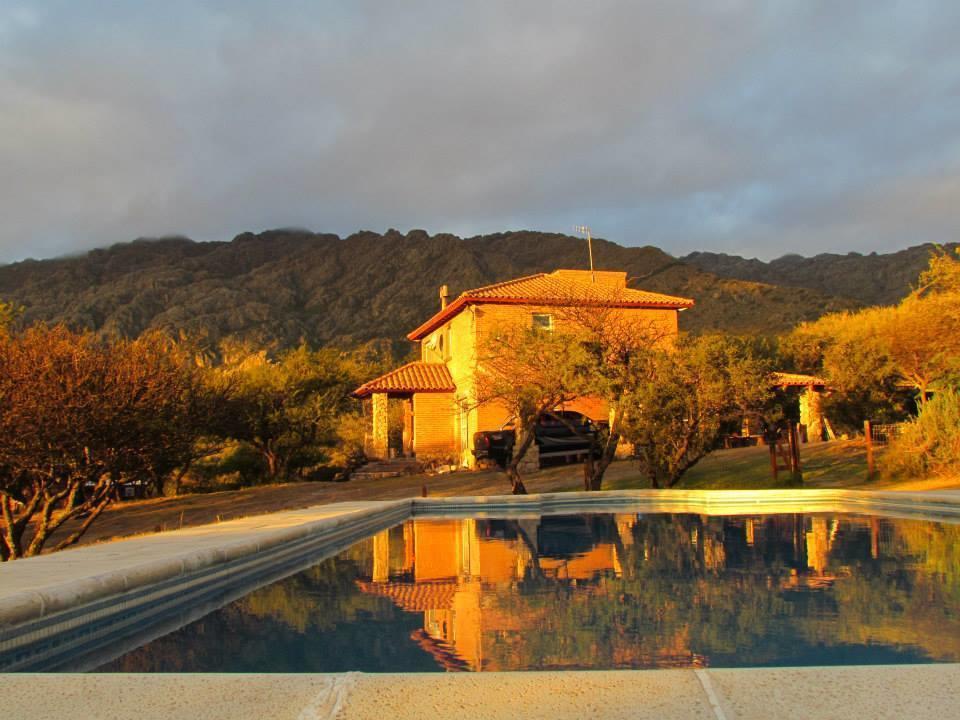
[457,305]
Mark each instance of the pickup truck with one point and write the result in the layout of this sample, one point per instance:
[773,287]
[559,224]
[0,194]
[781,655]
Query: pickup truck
[561,434]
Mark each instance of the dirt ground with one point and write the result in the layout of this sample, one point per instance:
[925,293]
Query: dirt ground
[839,464]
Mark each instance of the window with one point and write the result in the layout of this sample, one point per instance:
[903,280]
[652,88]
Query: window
[543,321]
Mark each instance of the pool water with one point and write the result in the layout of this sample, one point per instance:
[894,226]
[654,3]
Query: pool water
[594,592]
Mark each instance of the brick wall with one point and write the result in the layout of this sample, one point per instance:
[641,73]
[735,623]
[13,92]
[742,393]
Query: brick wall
[433,424]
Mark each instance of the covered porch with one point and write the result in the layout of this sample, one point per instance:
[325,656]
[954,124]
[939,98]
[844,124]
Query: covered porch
[411,411]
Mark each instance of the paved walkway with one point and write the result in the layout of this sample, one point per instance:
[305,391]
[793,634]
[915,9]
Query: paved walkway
[918,692]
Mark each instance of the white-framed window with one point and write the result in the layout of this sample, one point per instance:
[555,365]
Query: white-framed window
[543,321]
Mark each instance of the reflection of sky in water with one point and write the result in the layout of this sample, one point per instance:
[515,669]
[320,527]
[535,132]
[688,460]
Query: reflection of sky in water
[595,591]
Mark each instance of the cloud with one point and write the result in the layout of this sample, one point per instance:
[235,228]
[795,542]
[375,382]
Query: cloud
[809,127]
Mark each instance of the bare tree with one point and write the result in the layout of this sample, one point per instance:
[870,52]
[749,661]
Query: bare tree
[80,417]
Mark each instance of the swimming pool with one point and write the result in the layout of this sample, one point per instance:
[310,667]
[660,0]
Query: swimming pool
[590,591]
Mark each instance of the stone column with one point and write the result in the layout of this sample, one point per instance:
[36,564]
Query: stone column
[408,427]
[381,422]
[381,556]
[811,414]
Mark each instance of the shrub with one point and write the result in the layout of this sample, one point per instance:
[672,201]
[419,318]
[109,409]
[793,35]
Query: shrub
[930,443]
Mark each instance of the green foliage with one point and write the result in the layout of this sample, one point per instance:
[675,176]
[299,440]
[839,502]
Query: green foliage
[528,372]
[872,358]
[930,443]
[288,409]
[8,314]
[680,400]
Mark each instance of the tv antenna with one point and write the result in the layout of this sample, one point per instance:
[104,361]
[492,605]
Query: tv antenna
[584,230]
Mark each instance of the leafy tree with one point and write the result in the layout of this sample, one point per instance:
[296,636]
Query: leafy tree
[528,372]
[80,417]
[8,313]
[615,344]
[288,408]
[679,401]
[930,443]
[872,357]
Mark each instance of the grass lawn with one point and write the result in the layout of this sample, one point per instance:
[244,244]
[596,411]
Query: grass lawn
[838,464]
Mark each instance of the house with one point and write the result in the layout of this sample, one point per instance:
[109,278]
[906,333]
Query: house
[438,392]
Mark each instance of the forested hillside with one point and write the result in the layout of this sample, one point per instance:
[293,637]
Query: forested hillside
[870,279]
[284,285]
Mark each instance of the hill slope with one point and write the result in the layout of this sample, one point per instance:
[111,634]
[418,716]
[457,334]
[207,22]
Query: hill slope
[870,279]
[281,285]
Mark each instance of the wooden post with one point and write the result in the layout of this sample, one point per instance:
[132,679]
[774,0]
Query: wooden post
[868,437]
[797,476]
[773,458]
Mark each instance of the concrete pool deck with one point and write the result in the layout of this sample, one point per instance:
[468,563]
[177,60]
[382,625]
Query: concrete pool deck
[45,599]
[921,692]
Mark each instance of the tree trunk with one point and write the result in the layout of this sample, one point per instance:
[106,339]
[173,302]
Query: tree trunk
[513,471]
[516,482]
[179,477]
[87,522]
[599,467]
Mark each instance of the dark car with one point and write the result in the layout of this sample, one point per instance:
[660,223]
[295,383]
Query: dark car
[565,433]
[562,434]
[494,445]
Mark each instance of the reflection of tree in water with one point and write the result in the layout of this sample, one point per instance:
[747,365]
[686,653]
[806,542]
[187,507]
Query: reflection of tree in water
[692,590]
[314,621]
[600,591]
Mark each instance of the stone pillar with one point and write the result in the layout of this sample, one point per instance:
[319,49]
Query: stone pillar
[381,424]
[381,556]
[408,427]
[811,414]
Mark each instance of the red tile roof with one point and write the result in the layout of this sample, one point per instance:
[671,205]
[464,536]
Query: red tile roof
[552,289]
[414,597]
[412,377]
[797,380]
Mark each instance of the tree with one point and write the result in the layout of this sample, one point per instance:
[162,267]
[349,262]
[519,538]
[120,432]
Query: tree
[679,400]
[287,408]
[874,356]
[528,372]
[80,417]
[8,314]
[615,343]
[590,352]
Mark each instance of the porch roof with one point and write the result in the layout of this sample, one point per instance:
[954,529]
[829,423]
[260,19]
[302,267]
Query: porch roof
[410,378]
[785,380]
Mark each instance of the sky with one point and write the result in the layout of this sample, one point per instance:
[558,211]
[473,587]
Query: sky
[758,129]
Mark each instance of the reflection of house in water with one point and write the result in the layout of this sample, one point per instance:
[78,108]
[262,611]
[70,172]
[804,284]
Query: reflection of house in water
[450,571]
[467,576]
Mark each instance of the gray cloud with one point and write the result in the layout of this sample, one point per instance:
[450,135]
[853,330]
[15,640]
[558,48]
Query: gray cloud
[807,127]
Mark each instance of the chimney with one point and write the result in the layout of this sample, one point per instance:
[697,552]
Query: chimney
[444,296]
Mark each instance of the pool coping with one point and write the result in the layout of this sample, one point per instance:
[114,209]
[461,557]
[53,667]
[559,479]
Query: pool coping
[109,576]
[853,691]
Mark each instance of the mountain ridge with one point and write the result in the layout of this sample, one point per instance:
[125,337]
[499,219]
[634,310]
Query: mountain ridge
[876,278]
[279,286]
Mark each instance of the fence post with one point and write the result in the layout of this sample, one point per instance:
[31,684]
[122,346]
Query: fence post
[795,452]
[868,437]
